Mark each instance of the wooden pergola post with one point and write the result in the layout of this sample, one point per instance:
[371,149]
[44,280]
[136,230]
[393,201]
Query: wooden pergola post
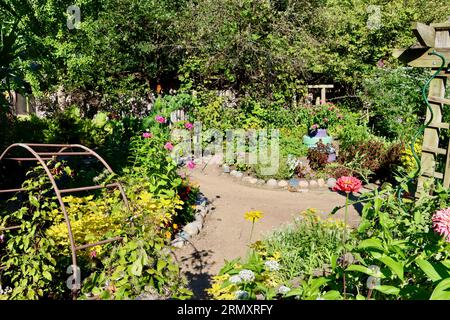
[433,37]
[323,91]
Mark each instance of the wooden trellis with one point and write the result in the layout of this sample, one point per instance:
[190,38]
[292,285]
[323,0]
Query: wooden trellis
[432,38]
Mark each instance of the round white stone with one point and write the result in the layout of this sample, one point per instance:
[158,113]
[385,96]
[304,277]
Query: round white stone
[321,182]
[331,182]
[303,184]
[282,183]
[272,183]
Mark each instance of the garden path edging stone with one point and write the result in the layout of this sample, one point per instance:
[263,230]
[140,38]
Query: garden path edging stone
[190,230]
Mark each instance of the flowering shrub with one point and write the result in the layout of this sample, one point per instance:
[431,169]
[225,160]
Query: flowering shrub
[323,115]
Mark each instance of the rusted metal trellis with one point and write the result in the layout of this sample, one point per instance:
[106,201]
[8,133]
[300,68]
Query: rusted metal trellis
[39,152]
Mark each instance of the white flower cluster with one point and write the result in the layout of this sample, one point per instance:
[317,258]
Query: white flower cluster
[240,294]
[272,265]
[5,291]
[283,290]
[235,279]
[247,275]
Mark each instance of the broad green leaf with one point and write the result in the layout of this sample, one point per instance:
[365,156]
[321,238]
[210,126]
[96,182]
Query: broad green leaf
[332,295]
[388,289]
[371,243]
[441,292]
[396,267]
[428,269]
[363,269]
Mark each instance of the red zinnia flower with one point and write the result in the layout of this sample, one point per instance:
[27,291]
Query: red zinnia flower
[347,184]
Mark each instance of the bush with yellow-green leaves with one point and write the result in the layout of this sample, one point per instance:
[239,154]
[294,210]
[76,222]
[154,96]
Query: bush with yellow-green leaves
[35,257]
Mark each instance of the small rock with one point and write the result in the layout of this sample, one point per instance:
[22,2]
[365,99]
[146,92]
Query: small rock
[192,228]
[199,218]
[178,243]
[226,168]
[331,182]
[303,184]
[246,179]
[261,181]
[233,172]
[253,180]
[321,182]
[282,183]
[313,184]
[294,182]
[272,183]
[201,211]
[239,175]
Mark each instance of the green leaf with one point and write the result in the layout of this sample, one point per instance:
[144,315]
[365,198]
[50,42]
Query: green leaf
[371,243]
[428,269]
[332,295]
[363,269]
[396,267]
[388,289]
[136,268]
[440,292]
[160,265]
[47,275]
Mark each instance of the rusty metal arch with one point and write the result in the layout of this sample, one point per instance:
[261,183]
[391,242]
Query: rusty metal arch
[41,157]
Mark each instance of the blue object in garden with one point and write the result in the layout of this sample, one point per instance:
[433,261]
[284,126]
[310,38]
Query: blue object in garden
[315,136]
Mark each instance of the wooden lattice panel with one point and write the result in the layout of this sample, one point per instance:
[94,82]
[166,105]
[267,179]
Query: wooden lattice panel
[433,37]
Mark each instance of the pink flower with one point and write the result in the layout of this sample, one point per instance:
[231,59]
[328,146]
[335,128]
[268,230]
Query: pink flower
[168,146]
[160,119]
[93,254]
[146,135]
[314,126]
[347,184]
[188,125]
[190,165]
[441,223]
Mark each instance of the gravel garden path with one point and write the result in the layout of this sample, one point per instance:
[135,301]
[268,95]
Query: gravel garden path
[225,235]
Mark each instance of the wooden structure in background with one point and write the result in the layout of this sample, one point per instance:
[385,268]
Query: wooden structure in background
[435,36]
[323,91]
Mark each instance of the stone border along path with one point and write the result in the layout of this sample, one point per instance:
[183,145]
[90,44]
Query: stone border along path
[225,233]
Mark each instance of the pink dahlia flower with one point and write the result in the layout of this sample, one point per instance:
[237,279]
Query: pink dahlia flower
[160,119]
[441,223]
[188,125]
[146,135]
[168,146]
[347,184]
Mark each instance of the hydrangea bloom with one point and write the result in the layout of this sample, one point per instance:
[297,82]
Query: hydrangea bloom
[283,290]
[240,294]
[347,184]
[272,265]
[247,275]
[441,223]
[235,279]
